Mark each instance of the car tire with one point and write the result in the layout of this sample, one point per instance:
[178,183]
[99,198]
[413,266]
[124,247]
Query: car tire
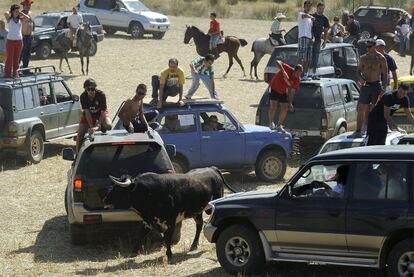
[77,234]
[367,32]
[158,35]
[35,147]
[109,31]
[177,234]
[2,119]
[239,250]
[341,130]
[179,164]
[400,257]
[270,166]
[94,48]
[44,50]
[136,30]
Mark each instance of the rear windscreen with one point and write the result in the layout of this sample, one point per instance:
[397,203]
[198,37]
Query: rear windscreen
[308,97]
[286,55]
[339,145]
[102,160]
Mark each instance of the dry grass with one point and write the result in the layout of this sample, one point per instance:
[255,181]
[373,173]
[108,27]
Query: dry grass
[34,237]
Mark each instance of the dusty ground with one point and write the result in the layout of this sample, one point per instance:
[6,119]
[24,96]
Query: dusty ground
[34,238]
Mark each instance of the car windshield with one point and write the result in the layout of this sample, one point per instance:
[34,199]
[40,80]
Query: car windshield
[46,21]
[135,6]
[102,160]
[308,97]
[286,55]
[329,147]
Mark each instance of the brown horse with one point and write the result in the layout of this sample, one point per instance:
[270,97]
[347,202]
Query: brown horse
[391,44]
[231,45]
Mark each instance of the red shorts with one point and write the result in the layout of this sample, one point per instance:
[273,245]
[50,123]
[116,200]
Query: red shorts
[95,118]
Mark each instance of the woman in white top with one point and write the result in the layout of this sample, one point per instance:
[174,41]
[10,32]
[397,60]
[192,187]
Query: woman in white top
[14,41]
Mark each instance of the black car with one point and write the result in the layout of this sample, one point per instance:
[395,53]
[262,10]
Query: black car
[350,207]
[50,25]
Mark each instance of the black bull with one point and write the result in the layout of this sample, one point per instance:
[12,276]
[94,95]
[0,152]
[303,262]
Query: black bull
[163,200]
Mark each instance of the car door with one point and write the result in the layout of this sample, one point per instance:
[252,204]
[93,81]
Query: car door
[292,36]
[69,109]
[46,109]
[379,204]
[325,64]
[119,18]
[102,10]
[350,107]
[350,67]
[181,129]
[223,147]
[310,220]
[335,109]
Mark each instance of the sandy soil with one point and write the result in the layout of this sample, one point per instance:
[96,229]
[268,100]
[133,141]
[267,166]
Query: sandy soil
[34,238]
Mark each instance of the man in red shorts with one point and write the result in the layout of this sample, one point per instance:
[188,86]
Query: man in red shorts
[286,78]
[95,115]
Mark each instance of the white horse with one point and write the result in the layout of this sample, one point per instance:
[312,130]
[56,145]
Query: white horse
[261,47]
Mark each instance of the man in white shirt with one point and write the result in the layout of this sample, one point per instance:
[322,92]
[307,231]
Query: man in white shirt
[305,22]
[74,21]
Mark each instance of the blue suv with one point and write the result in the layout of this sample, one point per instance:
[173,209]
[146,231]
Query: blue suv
[228,145]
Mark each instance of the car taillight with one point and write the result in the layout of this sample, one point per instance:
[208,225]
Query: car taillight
[324,121]
[92,218]
[77,184]
[13,128]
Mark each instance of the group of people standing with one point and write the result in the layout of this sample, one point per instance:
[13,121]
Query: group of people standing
[16,35]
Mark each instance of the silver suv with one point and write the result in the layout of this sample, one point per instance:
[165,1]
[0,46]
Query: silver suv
[115,153]
[130,16]
[33,109]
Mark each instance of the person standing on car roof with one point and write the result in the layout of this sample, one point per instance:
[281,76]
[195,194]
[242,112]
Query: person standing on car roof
[381,115]
[305,21]
[132,113]
[373,78]
[27,32]
[95,115]
[202,68]
[282,89]
[320,25]
[392,66]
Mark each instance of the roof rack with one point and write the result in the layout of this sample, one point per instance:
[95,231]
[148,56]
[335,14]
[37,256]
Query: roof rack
[37,70]
[202,102]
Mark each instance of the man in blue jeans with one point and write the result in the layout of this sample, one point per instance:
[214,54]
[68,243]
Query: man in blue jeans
[202,68]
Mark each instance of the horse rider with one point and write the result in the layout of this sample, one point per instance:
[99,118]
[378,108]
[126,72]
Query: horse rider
[214,33]
[74,21]
[276,31]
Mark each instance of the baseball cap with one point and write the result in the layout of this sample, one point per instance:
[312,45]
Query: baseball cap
[380,42]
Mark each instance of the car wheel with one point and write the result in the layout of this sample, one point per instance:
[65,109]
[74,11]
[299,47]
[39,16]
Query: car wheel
[44,50]
[77,234]
[367,32]
[401,259]
[93,49]
[109,31]
[239,249]
[177,234]
[270,166]
[158,35]
[136,30]
[180,166]
[341,130]
[35,147]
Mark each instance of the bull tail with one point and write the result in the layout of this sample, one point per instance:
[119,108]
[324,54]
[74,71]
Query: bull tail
[243,42]
[253,46]
[225,182]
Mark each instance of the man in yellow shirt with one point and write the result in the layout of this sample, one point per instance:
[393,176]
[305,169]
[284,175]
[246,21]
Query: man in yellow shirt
[169,83]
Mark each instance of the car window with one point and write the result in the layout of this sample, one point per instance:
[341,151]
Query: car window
[286,55]
[45,94]
[351,56]
[322,180]
[90,3]
[63,23]
[178,123]
[18,99]
[346,94]
[104,4]
[332,96]
[136,6]
[61,92]
[354,92]
[329,147]
[93,21]
[216,121]
[362,12]
[28,98]
[308,97]
[380,181]
[325,58]
[337,94]
[338,57]
[46,21]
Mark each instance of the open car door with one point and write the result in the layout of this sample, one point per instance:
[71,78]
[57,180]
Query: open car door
[291,36]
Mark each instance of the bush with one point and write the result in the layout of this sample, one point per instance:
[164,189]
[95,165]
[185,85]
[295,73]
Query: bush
[232,2]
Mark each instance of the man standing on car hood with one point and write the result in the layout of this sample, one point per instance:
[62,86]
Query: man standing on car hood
[286,78]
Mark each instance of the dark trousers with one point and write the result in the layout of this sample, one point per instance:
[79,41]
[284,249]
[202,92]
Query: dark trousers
[316,50]
[26,51]
[279,38]
[139,127]
[376,132]
[168,91]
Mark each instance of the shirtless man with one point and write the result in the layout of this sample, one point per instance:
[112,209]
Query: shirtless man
[371,66]
[27,32]
[132,112]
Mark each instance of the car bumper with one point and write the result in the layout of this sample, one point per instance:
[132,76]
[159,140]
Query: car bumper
[209,231]
[99,37]
[11,142]
[155,27]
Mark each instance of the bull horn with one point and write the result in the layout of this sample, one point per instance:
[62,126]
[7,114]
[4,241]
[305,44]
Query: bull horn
[118,182]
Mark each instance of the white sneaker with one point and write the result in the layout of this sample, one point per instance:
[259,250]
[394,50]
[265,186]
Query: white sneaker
[280,128]
[272,126]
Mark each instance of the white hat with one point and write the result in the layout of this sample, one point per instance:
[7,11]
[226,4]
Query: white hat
[380,42]
[280,15]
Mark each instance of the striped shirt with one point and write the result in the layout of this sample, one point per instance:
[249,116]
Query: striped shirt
[201,69]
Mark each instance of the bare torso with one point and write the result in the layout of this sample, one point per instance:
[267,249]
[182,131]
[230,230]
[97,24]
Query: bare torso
[371,66]
[27,25]
[132,109]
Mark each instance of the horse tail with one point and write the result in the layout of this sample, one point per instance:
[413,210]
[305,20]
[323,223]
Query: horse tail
[243,42]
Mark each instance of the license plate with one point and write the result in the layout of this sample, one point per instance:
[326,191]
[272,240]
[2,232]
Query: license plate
[299,133]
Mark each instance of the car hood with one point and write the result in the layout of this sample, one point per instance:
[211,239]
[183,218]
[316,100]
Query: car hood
[263,131]
[258,194]
[41,30]
[151,15]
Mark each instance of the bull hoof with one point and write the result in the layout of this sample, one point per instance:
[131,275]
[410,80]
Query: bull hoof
[193,247]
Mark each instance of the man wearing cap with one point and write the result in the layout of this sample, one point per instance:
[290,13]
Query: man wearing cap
[320,25]
[276,31]
[392,66]
[373,78]
[27,32]
[381,114]
[305,21]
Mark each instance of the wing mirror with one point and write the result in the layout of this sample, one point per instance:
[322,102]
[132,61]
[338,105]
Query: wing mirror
[68,154]
[75,98]
[123,10]
[171,150]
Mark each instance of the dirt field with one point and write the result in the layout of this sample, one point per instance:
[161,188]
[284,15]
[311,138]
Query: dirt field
[34,238]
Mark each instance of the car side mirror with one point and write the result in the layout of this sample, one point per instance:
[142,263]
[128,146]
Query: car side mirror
[75,98]
[68,154]
[171,150]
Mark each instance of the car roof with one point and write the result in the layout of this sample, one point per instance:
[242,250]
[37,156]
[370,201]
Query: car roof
[61,14]
[345,137]
[197,105]
[29,80]
[380,8]
[122,136]
[326,81]
[328,46]
[379,152]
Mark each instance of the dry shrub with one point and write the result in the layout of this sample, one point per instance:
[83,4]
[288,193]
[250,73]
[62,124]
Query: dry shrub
[232,2]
